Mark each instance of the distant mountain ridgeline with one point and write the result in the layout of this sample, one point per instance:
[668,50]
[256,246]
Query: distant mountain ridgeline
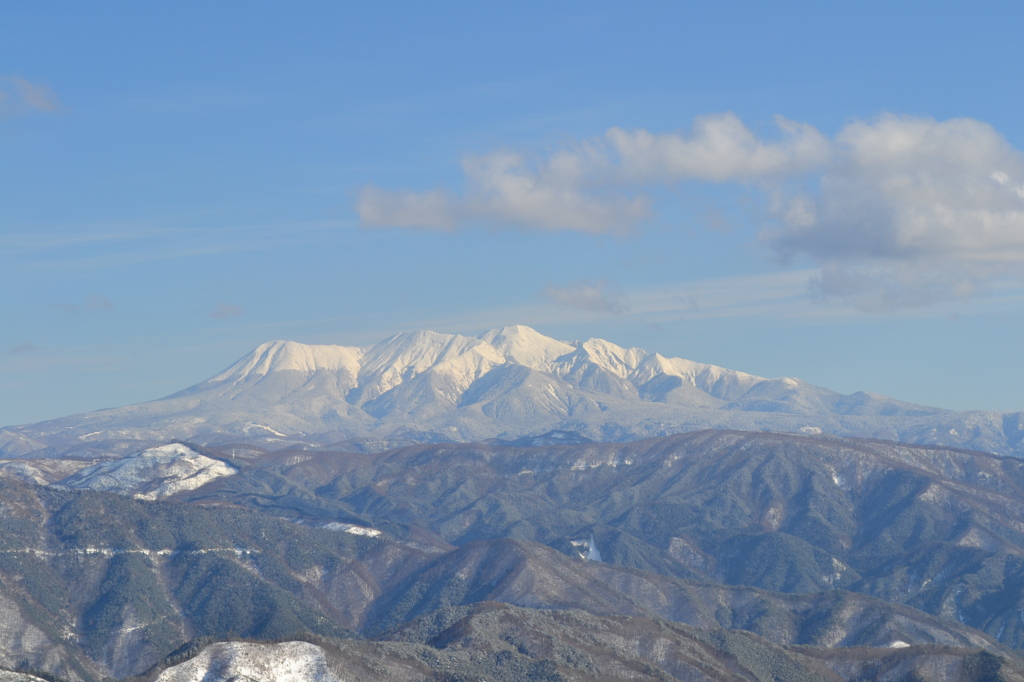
[813,547]
[510,383]
[511,507]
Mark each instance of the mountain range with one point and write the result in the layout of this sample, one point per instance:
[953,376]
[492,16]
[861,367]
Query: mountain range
[510,507]
[723,555]
[507,384]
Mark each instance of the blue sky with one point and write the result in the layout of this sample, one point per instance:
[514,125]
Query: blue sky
[180,183]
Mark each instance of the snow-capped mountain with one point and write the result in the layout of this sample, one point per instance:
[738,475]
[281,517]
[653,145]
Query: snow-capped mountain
[152,474]
[506,383]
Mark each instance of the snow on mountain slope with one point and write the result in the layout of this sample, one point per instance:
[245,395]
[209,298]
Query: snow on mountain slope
[525,346]
[152,474]
[459,359]
[225,661]
[40,471]
[506,383]
[276,356]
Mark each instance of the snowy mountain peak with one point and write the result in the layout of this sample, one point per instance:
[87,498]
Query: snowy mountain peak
[403,357]
[523,345]
[152,474]
[507,383]
[614,358]
[275,356]
[417,351]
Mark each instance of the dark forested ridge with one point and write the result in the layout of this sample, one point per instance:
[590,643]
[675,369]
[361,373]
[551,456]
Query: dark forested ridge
[827,556]
[940,530]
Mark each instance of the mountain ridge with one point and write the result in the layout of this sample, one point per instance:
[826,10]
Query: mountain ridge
[852,548]
[508,383]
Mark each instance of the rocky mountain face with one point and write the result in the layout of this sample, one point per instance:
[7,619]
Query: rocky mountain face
[723,555]
[508,383]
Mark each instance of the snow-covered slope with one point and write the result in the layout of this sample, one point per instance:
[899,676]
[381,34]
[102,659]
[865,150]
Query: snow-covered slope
[506,383]
[152,474]
[226,661]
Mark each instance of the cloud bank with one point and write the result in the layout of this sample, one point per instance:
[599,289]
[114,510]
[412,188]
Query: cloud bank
[897,212]
[911,211]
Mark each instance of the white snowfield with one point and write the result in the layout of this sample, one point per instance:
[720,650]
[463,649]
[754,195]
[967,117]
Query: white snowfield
[152,474]
[285,662]
[506,383]
[353,529]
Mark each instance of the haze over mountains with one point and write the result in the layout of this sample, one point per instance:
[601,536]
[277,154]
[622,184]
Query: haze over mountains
[507,383]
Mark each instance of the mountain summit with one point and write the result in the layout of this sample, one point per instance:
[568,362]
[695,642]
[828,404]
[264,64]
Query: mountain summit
[507,383]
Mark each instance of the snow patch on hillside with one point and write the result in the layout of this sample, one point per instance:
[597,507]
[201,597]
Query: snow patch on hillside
[352,529]
[285,662]
[152,474]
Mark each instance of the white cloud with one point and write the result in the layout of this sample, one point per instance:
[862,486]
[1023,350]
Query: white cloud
[590,187]
[911,211]
[596,296]
[551,196]
[19,96]
[430,210]
[505,190]
[721,148]
[897,212]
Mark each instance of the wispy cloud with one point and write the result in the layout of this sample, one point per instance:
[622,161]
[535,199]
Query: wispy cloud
[20,96]
[97,302]
[23,348]
[101,247]
[593,295]
[225,310]
[898,212]
[780,296]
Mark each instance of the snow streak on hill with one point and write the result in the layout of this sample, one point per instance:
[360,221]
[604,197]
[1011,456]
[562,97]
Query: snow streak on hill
[507,383]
